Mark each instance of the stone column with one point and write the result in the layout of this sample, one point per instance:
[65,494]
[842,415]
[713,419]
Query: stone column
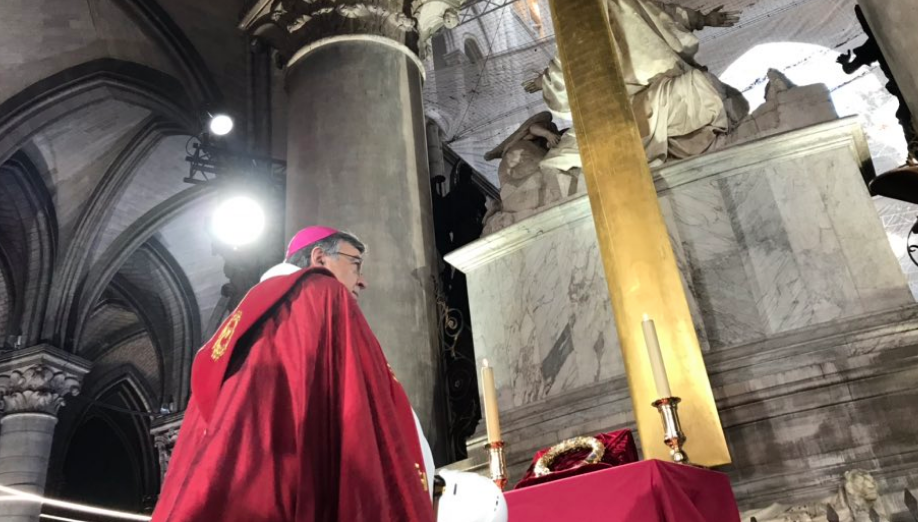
[357,157]
[893,23]
[33,385]
[165,432]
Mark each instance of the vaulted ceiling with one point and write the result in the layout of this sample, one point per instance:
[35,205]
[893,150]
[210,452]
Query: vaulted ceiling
[104,250]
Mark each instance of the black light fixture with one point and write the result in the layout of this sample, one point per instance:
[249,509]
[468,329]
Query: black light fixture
[209,161]
[245,180]
[215,120]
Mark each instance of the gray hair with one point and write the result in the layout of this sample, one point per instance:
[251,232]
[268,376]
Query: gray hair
[331,245]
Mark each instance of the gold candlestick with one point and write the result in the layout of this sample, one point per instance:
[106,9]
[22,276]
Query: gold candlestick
[497,465]
[672,431]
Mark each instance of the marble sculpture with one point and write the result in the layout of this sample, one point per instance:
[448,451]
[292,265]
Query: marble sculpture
[682,110]
[528,179]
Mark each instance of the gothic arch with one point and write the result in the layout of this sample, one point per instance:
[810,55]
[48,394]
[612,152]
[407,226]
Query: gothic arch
[154,326]
[28,240]
[184,345]
[157,23]
[62,94]
[96,213]
[168,308]
[7,297]
[102,272]
[473,51]
[124,389]
[53,98]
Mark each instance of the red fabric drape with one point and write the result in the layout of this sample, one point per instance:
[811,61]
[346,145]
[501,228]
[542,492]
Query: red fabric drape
[648,491]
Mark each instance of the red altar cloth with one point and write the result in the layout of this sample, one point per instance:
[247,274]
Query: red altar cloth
[648,491]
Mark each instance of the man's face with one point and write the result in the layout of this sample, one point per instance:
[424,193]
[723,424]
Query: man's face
[346,266]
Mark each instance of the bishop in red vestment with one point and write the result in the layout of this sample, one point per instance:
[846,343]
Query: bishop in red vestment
[295,414]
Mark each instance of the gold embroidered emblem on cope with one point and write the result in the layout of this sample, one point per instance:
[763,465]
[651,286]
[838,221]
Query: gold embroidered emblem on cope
[223,340]
[422,475]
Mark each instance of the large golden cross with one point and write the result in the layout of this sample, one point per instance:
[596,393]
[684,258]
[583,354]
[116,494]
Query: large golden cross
[638,258]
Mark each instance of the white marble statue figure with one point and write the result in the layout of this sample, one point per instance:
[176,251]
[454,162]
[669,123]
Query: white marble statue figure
[681,109]
[433,15]
[526,186]
[855,501]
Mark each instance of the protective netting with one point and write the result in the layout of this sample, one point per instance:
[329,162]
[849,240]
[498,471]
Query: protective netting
[474,78]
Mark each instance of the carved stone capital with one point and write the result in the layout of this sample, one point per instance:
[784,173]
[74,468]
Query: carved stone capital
[290,25]
[165,432]
[37,379]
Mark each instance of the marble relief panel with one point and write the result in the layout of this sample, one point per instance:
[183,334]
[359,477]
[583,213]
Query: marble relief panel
[596,355]
[775,278]
[729,309]
[864,242]
[702,221]
[782,247]
[682,263]
[549,327]
[504,331]
[714,264]
[824,274]
[544,305]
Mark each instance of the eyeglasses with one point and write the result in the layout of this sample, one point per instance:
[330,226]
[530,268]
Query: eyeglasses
[357,260]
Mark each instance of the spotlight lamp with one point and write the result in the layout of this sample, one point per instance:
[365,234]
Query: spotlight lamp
[249,185]
[220,124]
[238,220]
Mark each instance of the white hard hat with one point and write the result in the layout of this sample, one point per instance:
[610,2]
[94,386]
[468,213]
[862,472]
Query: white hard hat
[470,498]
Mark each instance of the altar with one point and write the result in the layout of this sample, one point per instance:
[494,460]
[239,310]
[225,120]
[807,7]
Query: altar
[795,294]
[649,491]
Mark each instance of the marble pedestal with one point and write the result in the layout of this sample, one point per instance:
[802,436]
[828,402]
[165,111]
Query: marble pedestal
[806,320]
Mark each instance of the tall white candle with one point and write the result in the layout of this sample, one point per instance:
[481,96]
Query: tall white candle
[489,402]
[656,358]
